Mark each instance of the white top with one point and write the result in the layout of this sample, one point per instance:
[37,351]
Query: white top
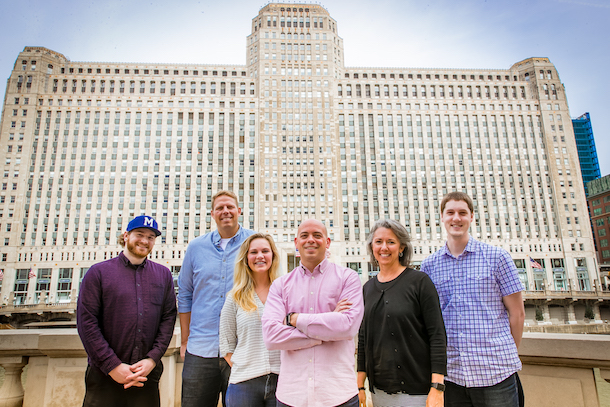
[225,242]
[250,358]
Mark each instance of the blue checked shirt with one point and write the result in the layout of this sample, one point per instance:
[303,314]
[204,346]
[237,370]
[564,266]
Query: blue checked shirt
[481,351]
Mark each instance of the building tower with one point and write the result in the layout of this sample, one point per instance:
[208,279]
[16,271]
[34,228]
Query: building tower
[587,153]
[296,134]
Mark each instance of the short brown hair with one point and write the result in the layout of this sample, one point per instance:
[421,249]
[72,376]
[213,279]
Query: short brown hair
[457,196]
[225,193]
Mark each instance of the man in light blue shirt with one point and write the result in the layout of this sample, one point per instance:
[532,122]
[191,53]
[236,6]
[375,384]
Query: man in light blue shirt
[480,296]
[205,278]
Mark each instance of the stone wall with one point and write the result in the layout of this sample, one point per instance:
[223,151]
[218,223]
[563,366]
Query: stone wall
[558,369]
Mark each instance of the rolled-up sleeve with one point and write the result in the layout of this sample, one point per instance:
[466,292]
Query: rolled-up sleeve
[337,326]
[185,283]
[275,334]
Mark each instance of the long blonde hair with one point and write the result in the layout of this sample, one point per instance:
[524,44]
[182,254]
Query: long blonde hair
[243,283]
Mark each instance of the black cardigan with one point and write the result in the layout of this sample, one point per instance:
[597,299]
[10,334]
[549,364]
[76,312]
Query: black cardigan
[402,339]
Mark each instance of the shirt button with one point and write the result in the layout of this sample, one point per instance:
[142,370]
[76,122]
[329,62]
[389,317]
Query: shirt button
[138,285]
[311,378]
[309,360]
[311,309]
[311,293]
[140,314]
[402,382]
[392,333]
[398,367]
[388,315]
[386,302]
[395,350]
[139,299]
[139,330]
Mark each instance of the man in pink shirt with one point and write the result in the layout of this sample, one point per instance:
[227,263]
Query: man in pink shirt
[312,315]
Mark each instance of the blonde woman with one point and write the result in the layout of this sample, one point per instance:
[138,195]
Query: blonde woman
[254,369]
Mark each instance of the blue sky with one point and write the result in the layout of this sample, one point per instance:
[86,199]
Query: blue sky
[573,34]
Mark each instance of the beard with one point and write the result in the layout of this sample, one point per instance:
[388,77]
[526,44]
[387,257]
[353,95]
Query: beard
[137,251]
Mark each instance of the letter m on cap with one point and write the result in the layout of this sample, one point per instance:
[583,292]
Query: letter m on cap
[148,222]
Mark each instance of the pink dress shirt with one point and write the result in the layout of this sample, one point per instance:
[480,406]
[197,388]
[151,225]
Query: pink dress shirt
[317,360]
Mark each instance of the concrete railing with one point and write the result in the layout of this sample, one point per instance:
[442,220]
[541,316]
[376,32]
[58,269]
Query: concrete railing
[557,369]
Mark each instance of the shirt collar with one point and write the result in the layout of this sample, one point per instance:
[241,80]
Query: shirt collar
[216,236]
[127,263]
[471,247]
[320,267]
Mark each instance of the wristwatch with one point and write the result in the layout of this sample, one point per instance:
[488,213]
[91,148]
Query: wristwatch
[438,386]
[288,319]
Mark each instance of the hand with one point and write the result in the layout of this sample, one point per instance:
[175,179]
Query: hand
[343,305]
[228,359]
[140,370]
[293,319]
[435,398]
[121,373]
[361,398]
[183,350]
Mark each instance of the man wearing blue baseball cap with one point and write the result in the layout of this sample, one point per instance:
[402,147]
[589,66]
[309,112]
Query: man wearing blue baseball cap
[125,318]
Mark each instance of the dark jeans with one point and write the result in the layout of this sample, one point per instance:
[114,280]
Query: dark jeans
[203,379]
[102,391]
[503,394]
[353,402]
[257,392]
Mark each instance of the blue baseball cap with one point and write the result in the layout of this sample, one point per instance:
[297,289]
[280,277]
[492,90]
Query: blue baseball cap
[144,221]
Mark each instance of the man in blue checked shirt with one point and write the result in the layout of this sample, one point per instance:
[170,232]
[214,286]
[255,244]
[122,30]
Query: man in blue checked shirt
[205,278]
[480,295]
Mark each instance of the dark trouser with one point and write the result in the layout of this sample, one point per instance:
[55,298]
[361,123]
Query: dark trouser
[203,379]
[353,402]
[503,394]
[257,392]
[102,391]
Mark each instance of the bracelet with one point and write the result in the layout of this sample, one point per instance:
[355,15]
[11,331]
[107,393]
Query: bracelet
[361,388]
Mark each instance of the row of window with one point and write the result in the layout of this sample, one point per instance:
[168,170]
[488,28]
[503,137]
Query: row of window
[598,211]
[597,202]
[202,88]
[137,71]
[428,76]
[431,91]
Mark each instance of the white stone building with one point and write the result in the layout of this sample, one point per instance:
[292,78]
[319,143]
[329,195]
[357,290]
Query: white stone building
[85,146]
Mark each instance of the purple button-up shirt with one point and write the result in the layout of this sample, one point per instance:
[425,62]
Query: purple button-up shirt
[317,359]
[125,313]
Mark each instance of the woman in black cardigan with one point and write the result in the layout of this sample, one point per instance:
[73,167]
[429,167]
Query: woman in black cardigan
[402,341]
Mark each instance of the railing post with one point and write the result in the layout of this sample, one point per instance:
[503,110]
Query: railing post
[11,392]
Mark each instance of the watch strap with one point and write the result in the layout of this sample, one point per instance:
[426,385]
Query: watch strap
[438,386]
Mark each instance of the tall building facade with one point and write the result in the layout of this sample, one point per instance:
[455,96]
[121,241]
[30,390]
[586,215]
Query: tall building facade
[599,209]
[587,153]
[296,134]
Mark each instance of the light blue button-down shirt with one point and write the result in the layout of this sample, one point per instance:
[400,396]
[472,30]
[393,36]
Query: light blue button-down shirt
[205,278]
[480,348]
